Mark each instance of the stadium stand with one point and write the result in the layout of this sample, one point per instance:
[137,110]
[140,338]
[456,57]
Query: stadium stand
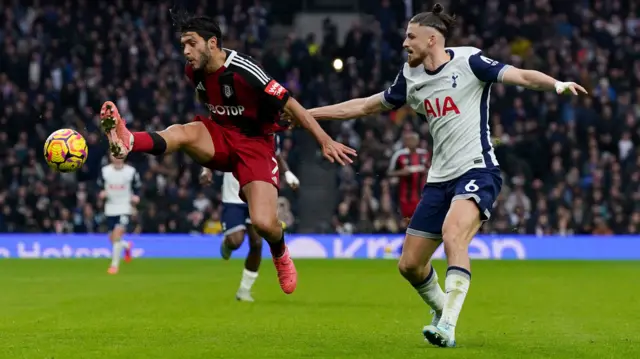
[570,165]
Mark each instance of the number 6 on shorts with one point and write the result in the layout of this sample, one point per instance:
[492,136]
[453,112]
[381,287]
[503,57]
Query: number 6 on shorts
[481,185]
[471,186]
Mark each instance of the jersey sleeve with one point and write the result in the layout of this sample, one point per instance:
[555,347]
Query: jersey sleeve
[262,83]
[396,95]
[486,69]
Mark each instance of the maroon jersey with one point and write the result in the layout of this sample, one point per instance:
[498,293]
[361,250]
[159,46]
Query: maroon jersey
[410,187]
[241,96]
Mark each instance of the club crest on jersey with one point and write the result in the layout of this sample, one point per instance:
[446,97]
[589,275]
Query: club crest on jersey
[454,78]
[228,92]
[440,107]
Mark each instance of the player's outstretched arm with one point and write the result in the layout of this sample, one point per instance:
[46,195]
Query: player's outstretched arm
[291,179]
[392,98]
[347,110]
[536,80]
[331,150]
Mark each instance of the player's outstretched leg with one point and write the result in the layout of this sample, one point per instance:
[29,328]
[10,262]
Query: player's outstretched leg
[262,198]
[251,266]
[193,137]
[117,245]
[459,228]
[415,266]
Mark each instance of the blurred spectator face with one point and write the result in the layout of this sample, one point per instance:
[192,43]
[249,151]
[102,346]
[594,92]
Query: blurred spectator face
[87,210]
[65,215]
[343,209]
[411,140]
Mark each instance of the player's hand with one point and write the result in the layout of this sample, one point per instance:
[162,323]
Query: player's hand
[135,199]
[206,177]
[335,151]
[567,88]
[292,180]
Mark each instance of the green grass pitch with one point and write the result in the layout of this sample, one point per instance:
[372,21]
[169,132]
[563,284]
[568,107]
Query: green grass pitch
[183,309]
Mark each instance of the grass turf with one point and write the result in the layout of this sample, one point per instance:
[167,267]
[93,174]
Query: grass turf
[341,309]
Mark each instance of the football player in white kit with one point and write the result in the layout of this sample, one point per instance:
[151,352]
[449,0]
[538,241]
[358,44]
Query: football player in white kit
[236,223]
[120,183]
[449,88]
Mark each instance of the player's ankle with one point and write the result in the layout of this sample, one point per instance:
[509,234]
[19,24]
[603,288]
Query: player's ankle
[149,142]
[278,248]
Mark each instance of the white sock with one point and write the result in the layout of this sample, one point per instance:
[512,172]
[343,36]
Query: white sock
[456,286]
[431,292]
[116,251]
[124,244]
[248,278]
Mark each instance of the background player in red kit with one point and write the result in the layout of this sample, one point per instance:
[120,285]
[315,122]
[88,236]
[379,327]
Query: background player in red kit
[245,104]
[410,165]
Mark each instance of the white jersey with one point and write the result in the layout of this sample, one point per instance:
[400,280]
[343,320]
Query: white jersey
[231,186]
[120,186]
[454,99]
[230,189]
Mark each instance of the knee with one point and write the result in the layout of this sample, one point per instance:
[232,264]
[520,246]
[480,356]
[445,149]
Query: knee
[117,233]
[408,268]
[264,224]
[234,240]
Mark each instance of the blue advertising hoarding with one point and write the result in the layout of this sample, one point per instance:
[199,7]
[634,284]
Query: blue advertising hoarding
[320,246]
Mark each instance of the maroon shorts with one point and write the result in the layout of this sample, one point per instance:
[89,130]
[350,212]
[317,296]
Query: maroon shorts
[407,208]
[248,158]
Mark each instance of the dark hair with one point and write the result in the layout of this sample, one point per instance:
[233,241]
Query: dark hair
[201,25]
[436,19]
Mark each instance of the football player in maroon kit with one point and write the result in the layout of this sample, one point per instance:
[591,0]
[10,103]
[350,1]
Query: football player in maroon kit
[245,105]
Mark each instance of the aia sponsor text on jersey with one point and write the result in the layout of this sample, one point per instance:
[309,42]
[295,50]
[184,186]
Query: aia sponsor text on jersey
[440,107]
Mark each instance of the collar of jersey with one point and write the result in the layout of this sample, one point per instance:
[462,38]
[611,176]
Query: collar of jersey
[435,72]
[222,68]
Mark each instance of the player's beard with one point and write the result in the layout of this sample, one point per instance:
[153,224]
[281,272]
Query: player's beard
[203,61]
[414,60]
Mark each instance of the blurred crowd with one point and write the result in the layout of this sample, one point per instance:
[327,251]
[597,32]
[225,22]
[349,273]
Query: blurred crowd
[570,165]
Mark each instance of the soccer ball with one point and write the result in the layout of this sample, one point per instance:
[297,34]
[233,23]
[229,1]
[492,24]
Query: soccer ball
[65,150]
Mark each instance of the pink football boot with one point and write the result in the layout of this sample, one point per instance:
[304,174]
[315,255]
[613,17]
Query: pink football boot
[287,274]
[120,138]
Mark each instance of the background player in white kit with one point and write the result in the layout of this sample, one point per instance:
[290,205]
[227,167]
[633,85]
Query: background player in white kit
[120,183]
[449,87]
[236,223]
